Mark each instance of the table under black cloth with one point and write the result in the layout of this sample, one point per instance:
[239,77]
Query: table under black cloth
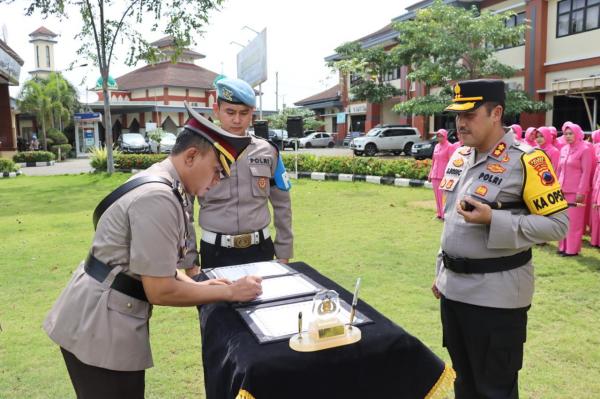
[386,363]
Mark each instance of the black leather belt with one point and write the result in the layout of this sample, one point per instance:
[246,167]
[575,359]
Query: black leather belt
[489,265]
[122,282]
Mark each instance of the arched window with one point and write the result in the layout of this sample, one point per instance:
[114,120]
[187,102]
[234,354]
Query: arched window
[48,56]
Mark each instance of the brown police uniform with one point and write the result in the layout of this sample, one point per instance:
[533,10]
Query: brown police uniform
[235,217]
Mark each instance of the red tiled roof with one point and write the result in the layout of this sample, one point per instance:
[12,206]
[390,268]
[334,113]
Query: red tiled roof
[168,74]
[332,93]
[43,31]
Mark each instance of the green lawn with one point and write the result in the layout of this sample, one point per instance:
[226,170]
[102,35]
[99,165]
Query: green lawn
[385,234]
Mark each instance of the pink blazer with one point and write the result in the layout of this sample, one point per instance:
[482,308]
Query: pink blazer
[575,165]
[441,155]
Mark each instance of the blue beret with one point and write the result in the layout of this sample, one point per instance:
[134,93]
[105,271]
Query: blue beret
[235,91]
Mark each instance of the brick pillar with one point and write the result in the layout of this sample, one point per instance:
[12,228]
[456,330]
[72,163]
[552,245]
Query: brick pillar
[142,118]
[7,133]
[373,116]
[166,95]
[155,117]
[124,121]
[535,57]
[181,121]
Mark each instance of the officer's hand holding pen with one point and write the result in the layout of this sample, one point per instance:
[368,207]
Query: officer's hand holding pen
[480,213]
[245,289]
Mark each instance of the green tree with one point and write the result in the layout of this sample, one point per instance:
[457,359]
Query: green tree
[309,118]
[107,24]
[52,100]
[64,99]
[369,67]
[445,43]
[34,99]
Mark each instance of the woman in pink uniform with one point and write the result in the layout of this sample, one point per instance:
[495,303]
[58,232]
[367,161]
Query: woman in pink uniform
[555,138]
[595,211]
[574,170]
[530,136]
[441,154]
[544,141]
[518,131]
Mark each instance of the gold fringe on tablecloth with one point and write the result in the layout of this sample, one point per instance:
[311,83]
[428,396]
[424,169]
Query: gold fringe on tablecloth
[444,384]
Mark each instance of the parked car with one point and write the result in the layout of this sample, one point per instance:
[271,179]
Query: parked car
[166,143]
[425,149]
[317,139]
[386,138]
[290,142]
[133,143]
[349,137]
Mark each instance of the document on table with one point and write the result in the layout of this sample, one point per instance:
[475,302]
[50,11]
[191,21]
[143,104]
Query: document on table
[278,321]
[261,269]
[286,287]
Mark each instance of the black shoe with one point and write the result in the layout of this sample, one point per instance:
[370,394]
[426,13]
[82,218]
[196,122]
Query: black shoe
[566,254]
[560,253]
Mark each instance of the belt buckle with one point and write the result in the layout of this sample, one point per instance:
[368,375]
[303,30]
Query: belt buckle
[242,240]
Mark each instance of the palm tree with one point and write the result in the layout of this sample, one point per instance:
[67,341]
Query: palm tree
[34,99]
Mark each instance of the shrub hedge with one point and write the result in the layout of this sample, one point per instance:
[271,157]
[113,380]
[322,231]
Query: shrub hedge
[405,168]
[34,156]
[7,165]
[137,161]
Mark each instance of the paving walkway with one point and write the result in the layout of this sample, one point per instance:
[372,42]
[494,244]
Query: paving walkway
[68,167]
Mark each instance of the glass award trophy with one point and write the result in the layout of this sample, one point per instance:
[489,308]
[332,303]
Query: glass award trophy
[325,329]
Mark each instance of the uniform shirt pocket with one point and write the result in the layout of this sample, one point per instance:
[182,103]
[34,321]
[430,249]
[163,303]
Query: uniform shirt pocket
[261,176]
[127,305]
[221,191]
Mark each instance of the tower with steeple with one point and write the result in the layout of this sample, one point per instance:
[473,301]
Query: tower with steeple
[43,40]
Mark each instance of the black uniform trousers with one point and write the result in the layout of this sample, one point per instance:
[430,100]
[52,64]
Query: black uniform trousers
[213,255]
[486,348]
[91,382]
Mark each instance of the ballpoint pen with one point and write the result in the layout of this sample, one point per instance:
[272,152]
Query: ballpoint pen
[354,301]
[299,325]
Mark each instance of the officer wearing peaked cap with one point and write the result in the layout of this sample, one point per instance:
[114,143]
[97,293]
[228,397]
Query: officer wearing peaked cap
[234,216]
[502,197]
[100,321]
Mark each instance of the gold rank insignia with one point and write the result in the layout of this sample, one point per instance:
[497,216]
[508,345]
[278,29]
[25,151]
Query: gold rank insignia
[458,162]
[506,158]
[449,184]
[496,168]
[465,151]
[499,150]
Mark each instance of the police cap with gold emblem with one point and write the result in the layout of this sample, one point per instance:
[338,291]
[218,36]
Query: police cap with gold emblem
[235,91]
[228,146]
[469,95]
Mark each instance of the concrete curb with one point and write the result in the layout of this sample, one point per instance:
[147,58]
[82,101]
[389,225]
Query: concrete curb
[34,164]
[384,180]
[7,175]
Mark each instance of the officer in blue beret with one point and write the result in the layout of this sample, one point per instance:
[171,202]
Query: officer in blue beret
[234,216]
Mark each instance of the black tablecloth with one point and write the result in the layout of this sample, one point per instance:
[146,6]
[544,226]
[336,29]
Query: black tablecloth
[387,362]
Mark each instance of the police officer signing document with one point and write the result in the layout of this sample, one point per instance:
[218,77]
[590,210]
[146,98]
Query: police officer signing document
[234,216]
[502,197]
[101,319]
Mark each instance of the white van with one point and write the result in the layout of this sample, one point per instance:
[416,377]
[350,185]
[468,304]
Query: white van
[386,138]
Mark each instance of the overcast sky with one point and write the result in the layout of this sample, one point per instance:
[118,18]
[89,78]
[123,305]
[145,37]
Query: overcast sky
[300,34]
